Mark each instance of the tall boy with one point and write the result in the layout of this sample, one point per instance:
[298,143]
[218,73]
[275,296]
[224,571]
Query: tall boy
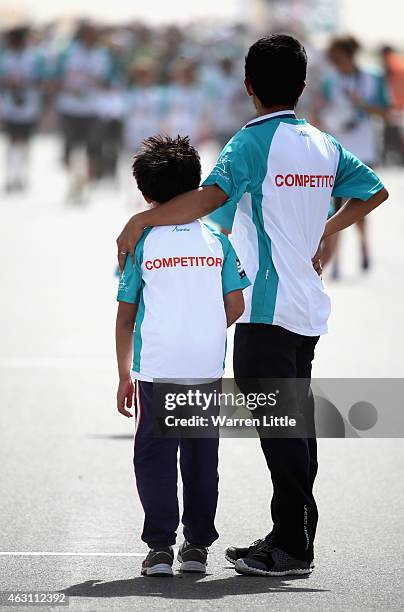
[184,288]
[281,172]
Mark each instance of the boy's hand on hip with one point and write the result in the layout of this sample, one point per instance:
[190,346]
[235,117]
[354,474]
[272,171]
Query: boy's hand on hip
[316,259]
[124,397]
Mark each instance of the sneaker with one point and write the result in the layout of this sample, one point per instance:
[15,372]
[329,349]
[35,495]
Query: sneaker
[271,561]
[192,558]
[159,562]
[235,552]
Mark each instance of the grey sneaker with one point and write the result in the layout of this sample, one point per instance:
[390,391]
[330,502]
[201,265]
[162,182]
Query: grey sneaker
[159,562]
[192,558]
[269,561]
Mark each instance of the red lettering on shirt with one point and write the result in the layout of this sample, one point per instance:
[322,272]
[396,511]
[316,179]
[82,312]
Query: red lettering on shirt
[312,181]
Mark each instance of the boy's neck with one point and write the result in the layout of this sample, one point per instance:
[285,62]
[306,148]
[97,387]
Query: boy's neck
[267,110]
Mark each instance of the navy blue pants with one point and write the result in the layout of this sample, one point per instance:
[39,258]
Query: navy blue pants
[155,462]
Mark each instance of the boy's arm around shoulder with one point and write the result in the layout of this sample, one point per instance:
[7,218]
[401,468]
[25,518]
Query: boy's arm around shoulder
[182,209]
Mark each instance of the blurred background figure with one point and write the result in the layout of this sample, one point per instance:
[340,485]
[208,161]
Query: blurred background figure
[21,75]
[351,98]
[144,102]
[187,107]
[110,113]
[393,63]
[230,101]
[82,73]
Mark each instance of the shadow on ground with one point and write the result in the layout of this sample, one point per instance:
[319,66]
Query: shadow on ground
[187,586]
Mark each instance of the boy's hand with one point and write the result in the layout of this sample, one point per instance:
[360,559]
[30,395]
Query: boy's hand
[124,397]
[316,260]
[128,239]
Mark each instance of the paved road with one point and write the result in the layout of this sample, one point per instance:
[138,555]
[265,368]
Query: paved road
[66,476]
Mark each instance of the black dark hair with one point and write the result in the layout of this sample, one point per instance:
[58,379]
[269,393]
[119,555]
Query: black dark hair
[276,67]
[165,167]
[347,44]
[17,37]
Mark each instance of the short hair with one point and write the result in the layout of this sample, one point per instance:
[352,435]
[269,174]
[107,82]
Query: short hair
[347,44]
[276,67]
[165,167]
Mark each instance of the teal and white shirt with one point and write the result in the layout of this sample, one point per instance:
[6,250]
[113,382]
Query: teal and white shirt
[21,103]
[354,128]
[281,172]
[180,276]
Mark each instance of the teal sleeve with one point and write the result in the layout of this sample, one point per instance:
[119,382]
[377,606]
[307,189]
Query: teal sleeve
[130,283]
[59,65]
[326,89]
[233,276]
[353,178]
[383,98]
[331,210]
[224,215]
[40,71]
[233,170]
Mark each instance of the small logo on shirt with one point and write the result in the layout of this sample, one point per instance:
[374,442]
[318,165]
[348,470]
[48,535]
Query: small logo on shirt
[240,270]
[221,167]
[303,133]
[181,229]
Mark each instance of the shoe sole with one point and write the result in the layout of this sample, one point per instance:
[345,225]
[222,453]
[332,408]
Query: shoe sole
[243,568]
[233,561]
[192,566]
[162,570]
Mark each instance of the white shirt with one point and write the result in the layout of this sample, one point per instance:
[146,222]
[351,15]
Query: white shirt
[281,172]
[179,279]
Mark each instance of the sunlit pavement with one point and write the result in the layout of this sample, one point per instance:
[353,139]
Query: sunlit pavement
[66,456]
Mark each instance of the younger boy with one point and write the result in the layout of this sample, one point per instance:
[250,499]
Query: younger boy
[184,287]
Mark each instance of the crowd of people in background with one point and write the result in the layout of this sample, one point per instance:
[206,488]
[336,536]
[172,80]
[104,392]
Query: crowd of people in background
[105,89]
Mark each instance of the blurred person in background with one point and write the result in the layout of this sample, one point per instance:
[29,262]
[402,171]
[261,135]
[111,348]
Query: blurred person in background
[228,94]
[187,109]
[82,72]
[110,114]
[143,104]
[393,63]
[22,70]
[144,100]
[350,99]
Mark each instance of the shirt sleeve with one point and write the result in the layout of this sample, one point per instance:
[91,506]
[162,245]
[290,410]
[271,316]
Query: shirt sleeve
[233,170]
[383,98]
[224,215]
[130,282]
[354,179]
[326,89]
[233,275]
